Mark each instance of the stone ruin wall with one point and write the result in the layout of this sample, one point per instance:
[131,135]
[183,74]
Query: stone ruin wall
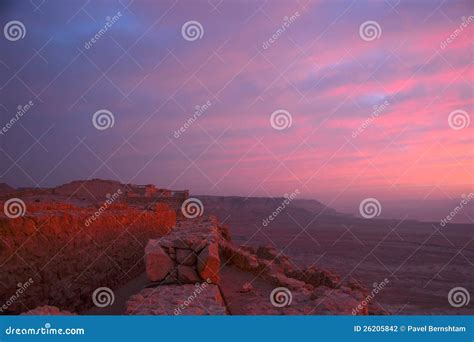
[189,254]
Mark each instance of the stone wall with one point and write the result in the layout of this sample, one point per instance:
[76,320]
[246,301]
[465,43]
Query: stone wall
[189,254]
[64,261]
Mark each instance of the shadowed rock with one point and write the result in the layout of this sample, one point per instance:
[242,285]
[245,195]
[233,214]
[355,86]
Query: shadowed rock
[185,257]
[187,274]
[158,263]
[209,263]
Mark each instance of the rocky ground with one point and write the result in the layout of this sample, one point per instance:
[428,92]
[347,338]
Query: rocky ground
[228,279]
[221,278]
[186,299]
[422,260]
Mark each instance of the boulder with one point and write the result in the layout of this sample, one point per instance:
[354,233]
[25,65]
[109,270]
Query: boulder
[209,263]
[187,274]
[185,257]
[158,263]
[172,277]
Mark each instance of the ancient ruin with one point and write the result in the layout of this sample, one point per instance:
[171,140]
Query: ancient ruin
[82,236]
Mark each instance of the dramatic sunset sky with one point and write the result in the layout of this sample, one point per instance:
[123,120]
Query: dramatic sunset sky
[319,70]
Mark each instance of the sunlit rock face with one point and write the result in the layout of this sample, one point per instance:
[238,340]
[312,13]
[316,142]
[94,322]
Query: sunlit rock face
[69,251]
[188,254]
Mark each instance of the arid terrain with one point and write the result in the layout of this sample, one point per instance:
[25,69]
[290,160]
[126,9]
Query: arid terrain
[222,255]
[422,260]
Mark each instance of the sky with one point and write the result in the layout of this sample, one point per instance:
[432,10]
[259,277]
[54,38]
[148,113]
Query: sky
[342,100]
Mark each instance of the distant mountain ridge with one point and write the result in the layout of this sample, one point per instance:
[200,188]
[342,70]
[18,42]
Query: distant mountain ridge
[263,204]
[93,189]
[5,189]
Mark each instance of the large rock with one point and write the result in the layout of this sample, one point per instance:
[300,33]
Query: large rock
[209,263]
[158,263]
[187,275]
[241,257]
[185,257]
